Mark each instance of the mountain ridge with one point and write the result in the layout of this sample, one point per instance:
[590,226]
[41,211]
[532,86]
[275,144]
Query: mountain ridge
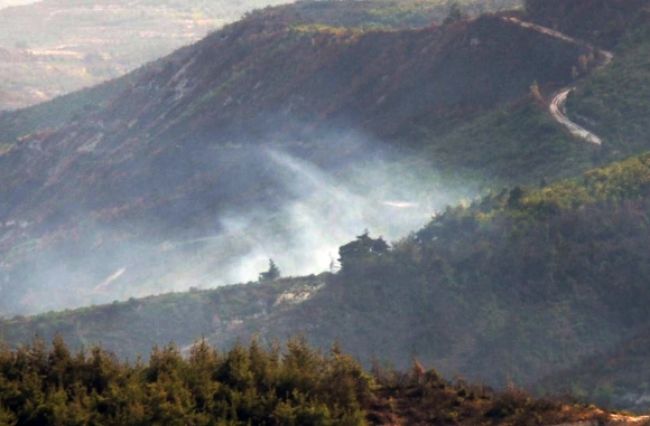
[159,146]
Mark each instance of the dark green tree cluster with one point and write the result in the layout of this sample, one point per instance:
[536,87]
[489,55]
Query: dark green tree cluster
[510,270]
[362,251]
[247,385]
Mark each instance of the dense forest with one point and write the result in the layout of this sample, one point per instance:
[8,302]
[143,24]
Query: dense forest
[249,385]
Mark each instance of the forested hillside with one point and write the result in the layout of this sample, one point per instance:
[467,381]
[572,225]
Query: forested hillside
[292,385]
[132,328]
[512,287]
[286,134]
[603,22]
[615,101]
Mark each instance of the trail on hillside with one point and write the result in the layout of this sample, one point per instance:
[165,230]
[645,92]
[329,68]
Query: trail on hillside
[557,106]
[558,111]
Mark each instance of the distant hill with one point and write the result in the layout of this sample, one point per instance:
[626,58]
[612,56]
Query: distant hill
[179,317]
[62,45]
[614,101]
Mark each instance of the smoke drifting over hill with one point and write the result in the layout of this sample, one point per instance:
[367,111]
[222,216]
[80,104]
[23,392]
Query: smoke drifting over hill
[326,211]
[306,203]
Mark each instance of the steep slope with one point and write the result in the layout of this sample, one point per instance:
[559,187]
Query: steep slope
[610,102]
[164,159]
[56,46]
[614,102]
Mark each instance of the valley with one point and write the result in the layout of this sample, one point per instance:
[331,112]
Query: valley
[161,164]
[102,40]
[462,186]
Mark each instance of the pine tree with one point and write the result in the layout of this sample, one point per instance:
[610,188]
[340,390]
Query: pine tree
[272,274]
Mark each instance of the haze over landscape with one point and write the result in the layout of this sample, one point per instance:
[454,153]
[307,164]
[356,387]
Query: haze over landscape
[53,47]
[9,3]
[355,202]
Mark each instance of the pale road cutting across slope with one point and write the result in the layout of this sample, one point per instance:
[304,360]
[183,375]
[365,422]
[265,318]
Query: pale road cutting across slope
[557,109]
[557,104]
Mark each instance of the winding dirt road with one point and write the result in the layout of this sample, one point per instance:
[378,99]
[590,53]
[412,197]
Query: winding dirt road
[558,111]
[557,106]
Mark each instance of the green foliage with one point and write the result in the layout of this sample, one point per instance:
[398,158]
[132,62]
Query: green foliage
[511,287]
[245,386]
[360,253]
[132,328]
[390,14]
[615,101]
[626,180]
[512,145]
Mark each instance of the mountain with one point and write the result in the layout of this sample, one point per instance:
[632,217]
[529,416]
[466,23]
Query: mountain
[285,134]
[134,175]
[59,46]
